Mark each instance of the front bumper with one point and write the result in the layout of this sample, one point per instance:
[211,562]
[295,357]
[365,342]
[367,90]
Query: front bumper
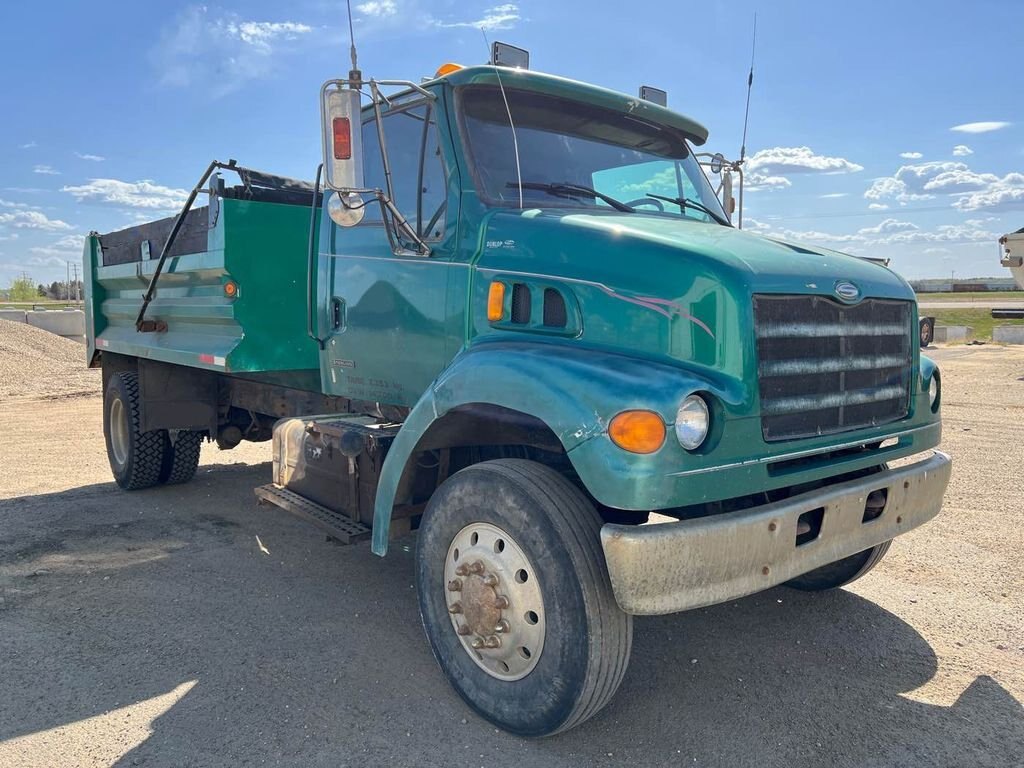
[668,567]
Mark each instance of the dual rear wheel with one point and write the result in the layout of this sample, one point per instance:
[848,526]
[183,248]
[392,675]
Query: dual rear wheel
[141,459]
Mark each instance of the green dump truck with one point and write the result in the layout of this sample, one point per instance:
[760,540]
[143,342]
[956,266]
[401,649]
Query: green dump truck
[512,315]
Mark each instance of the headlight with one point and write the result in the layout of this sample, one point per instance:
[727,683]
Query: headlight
[692,421]
[933,391]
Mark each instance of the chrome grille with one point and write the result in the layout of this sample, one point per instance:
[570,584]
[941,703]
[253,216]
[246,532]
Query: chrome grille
[825,367]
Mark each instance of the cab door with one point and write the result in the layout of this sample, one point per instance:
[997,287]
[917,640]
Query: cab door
[386,331]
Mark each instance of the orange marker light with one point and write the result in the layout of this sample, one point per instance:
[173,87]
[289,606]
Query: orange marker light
[231,289]
[342,138]
[447,69]
[637,431]
[496,302]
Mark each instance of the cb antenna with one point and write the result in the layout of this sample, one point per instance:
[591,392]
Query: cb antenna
[354,74]
[750,83]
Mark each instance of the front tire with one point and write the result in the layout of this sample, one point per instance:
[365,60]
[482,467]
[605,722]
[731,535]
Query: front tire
[515,597]
[841,572]
[136,457]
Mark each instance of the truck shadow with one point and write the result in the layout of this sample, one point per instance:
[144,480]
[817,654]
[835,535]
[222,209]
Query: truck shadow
[285,648]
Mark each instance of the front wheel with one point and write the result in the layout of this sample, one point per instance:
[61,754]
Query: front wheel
[515,597]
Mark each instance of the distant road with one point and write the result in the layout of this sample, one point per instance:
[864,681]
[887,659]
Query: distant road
[987,303]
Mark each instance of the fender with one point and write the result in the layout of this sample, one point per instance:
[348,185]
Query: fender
[575,391]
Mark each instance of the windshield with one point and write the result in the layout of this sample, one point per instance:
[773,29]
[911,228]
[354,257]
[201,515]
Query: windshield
[574,143]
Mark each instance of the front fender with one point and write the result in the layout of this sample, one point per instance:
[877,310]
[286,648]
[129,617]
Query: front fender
[574,391]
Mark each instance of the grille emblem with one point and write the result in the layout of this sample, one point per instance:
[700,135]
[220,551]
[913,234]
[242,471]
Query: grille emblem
[847,291]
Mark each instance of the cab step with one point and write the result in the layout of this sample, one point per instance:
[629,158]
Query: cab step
[344,529]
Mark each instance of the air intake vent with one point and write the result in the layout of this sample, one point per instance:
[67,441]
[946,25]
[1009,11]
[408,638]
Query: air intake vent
[554,309]
[520,303]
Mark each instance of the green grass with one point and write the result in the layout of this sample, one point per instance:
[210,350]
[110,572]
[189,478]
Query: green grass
[970,295]
[980,320]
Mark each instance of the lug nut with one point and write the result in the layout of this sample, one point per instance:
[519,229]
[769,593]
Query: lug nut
[476,567]
[491,580]
[462,570]
[464,630]
[492,642]
[477,644]
[455,608]
[501,602]
[502,627]
[455,585]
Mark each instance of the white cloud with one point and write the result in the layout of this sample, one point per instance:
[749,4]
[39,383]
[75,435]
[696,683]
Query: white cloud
[757,182]
[784,160]
[911,155]
[962,150]
[46,170]
[887,233]
[888,226]
[832,195]
[28,145]
[982,127]
[499,17]
[138,194]
[22,219]
[922,181]
[379,8]
[878,207]
[87,156]
[1004,194]
[68,246]
[223,52]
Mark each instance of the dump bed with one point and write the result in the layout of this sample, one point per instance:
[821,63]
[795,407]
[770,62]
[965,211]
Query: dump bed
[233,291]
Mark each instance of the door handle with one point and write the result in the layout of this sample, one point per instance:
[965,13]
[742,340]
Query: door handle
[337,313]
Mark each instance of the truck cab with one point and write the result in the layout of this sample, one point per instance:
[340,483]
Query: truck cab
[533,333]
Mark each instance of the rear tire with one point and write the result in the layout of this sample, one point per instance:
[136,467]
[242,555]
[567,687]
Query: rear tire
[582,653]
[840,572]
[182,458]
[136,457]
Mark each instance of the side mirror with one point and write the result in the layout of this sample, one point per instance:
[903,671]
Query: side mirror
[728,201]
[342,136]
[717,160]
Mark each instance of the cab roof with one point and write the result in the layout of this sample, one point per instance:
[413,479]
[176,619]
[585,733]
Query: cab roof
[574,89]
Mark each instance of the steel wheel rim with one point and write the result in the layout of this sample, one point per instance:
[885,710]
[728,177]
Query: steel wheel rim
[119,438]
[493,596]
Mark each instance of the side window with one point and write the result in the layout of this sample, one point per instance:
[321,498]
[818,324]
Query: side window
[408,145]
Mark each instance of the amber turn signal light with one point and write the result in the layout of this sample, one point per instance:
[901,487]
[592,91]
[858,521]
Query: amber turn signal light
[231,289]
[496,301]
[637,431]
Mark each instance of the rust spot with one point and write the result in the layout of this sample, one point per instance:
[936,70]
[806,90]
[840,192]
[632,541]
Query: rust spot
[899,519]
[766,570]
[772,525]
[906,484]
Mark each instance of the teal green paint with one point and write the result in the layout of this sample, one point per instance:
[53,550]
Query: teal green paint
[659,307]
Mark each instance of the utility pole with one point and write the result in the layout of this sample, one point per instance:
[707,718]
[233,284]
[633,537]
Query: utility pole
[77,293]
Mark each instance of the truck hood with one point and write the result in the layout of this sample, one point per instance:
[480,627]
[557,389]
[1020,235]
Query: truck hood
[664,287]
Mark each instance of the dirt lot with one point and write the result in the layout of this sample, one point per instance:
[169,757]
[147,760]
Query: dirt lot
[189,627]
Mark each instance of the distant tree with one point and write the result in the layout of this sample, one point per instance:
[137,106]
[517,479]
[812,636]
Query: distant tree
[22,289]
[41,290]
[56,290]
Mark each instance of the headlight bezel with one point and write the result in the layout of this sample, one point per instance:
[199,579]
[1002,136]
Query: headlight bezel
[934,391]
[689,432]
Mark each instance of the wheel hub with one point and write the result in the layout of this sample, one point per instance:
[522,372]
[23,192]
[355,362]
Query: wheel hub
[494,601]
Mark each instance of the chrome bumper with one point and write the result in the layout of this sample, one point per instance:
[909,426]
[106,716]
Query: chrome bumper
[667,567]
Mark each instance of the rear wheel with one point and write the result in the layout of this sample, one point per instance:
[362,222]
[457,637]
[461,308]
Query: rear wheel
[515,597]
[136,457]
[181,459]
[841,571]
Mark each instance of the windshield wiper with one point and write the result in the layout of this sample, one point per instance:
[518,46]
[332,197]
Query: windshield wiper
[686,202]
[565,189]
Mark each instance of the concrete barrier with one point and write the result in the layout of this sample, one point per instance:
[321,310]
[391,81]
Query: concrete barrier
[69,323]
[16,315]
[1008,334]
[953,333]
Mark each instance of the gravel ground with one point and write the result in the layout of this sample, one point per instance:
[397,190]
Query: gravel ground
[188,627]
[38,364]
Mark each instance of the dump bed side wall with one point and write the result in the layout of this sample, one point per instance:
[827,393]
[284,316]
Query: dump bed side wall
[262,248]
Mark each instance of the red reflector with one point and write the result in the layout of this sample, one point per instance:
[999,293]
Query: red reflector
[208,359]
[342,139]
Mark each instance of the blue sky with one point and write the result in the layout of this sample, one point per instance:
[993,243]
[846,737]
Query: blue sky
[890,129]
